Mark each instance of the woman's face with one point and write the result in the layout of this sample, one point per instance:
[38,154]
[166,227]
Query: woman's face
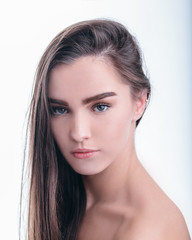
[93,114]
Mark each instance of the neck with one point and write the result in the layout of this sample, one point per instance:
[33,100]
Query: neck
[112,184]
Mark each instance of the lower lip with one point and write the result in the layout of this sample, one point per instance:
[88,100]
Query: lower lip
[83,155]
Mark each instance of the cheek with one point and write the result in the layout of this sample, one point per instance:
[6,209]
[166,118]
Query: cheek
[58,132]
[117,128]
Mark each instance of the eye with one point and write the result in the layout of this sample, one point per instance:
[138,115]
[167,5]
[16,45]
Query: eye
[101,107]
[58,110]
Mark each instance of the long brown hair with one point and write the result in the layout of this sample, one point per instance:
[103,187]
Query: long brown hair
[57,198]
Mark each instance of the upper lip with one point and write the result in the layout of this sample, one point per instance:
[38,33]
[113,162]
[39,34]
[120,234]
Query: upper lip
[82,150]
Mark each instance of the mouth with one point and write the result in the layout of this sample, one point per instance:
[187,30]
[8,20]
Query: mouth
[83,153]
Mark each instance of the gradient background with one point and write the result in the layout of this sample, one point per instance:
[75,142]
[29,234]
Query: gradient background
[164,137]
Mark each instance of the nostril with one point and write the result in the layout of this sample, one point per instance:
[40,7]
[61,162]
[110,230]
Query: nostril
[79,137]
[80,132]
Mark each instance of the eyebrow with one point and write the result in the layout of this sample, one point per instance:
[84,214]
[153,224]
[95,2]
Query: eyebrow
[85,101]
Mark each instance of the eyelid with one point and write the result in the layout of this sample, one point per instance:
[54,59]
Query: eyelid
[54,107]
[101,104]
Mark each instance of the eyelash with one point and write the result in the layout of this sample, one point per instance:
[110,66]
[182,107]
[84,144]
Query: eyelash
[57,111]
[101,104]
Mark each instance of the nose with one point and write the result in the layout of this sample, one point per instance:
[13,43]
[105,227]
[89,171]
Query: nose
[80,129]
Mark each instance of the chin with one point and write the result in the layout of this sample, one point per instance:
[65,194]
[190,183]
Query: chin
[90,166]
[88,170]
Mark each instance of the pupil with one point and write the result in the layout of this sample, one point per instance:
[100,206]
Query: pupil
[101,107]
[60,110]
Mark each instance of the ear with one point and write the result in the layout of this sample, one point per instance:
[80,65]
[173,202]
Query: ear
[140,105]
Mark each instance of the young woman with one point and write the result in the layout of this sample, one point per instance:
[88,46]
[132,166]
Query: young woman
[87,183]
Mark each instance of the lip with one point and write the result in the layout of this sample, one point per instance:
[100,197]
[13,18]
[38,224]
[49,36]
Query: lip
[83,150]
[82,153]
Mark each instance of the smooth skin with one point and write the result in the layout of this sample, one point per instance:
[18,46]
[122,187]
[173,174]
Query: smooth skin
[123,202]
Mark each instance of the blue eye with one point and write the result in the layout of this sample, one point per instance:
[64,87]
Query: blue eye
[58,110]
[101,107]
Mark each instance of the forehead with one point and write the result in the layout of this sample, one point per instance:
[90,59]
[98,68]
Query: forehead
[84,77]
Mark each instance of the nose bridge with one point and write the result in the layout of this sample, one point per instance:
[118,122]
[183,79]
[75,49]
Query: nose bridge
[80,128]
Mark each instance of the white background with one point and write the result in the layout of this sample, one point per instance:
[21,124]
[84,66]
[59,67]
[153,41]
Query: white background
[164,137]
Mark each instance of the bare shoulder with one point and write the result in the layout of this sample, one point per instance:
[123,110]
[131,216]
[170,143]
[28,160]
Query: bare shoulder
[174,226]
[156,217]
[171,226]
[163,223]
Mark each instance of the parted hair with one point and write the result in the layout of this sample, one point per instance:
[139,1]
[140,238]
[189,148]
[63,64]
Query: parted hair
[57,198]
